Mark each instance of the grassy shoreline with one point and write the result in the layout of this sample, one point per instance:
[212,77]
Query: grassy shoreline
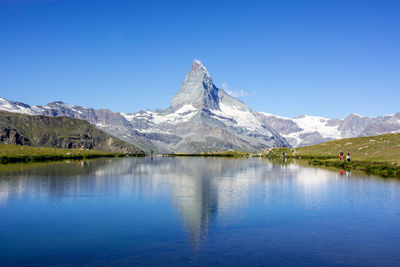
[377,155]
[380,168]
[17,153]
[375,168]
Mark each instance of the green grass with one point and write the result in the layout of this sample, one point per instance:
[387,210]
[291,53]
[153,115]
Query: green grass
[376,168]
[381,148]
[378,155]
[17,153]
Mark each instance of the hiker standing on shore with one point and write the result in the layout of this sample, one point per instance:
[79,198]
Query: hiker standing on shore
[348,157]
[341,155]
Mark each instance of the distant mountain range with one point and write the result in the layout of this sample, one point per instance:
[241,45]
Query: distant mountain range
[202,117]
[309,130]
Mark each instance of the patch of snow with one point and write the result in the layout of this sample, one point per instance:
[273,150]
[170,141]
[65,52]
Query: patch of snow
[3,100]
[152,130]
[295,136]
[6,105]
[37,110]
[131,117]
[128,117]
[242,117]
[310,124]
[77,111]
[185,113]
[273,115]
[201,66]
[318,124]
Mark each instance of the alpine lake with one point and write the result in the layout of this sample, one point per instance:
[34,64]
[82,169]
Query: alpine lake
[171,211]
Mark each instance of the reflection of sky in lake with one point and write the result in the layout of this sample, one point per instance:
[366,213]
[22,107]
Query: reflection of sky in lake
[225,208]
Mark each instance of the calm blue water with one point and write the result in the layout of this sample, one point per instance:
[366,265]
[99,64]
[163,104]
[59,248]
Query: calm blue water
[195,211]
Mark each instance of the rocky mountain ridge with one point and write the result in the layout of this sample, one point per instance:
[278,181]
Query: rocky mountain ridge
[202,117]
[309,130]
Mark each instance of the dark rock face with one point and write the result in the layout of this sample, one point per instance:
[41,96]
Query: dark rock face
[58,132]
[11,136]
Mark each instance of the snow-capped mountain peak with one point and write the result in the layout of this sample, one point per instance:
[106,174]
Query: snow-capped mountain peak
[203,117]
[197,90]
[201,112]
[197,65]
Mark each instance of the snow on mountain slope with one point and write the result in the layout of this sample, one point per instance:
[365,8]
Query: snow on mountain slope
[314,128]
[303,130]
[111,122]
[243,118]
[314,123]
[183,114]
[17,107]
[202,117]
[309,130]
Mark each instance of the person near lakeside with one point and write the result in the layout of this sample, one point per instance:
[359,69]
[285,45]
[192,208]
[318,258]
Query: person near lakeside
[341,155]
[348,157]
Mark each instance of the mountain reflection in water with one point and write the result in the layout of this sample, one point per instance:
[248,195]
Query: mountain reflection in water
[199,188]
[208,194]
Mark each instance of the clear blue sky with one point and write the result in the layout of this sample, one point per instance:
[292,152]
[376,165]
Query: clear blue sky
[327,58]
